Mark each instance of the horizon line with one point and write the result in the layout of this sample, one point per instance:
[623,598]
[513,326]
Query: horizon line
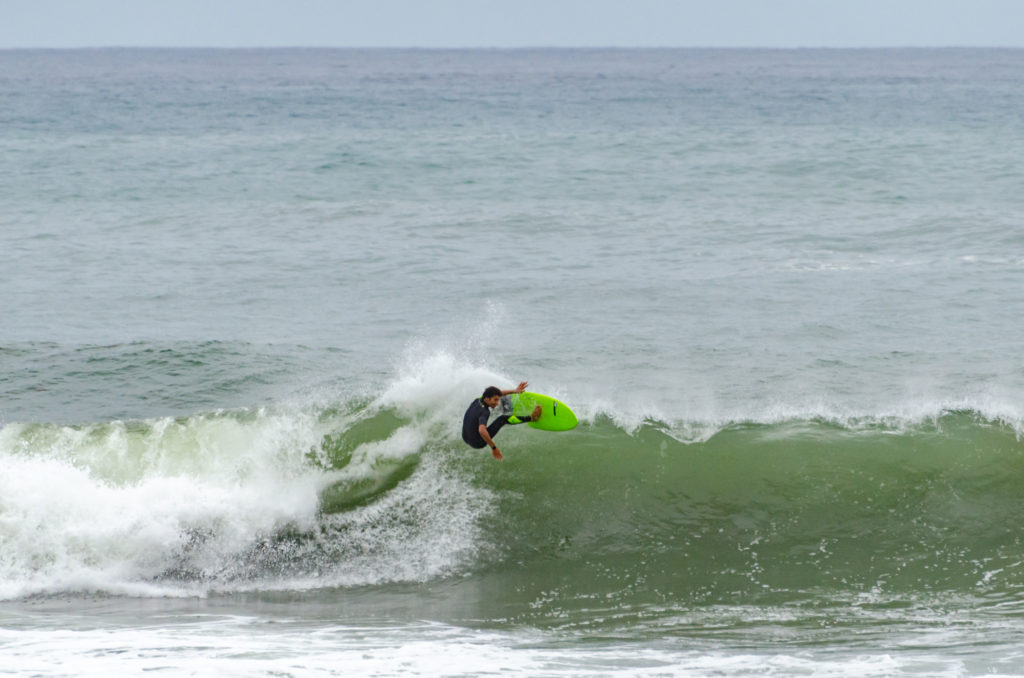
[509,48]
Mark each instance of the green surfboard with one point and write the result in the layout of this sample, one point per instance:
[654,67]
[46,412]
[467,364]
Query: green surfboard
[555,415]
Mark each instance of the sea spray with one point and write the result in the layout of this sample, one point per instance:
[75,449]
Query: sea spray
[381,489]
[113,505]
[259,498]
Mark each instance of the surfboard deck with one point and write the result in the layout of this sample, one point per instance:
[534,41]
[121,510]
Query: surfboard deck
[555,415]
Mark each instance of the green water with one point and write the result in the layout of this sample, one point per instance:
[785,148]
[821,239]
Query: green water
[247,294]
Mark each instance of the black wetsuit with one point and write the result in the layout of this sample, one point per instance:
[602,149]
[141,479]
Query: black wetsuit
[477,415]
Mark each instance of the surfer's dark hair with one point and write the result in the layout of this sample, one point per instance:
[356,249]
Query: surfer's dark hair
[491,391]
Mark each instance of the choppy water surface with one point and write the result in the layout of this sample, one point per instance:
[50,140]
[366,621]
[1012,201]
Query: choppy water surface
[248,294]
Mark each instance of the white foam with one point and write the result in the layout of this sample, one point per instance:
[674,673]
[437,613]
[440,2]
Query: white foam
[115,507]
[682,420]
[247,646]
[435,386]
[429,526]
[71,520]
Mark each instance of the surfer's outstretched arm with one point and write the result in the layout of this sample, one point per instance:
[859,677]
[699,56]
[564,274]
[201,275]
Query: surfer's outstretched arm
[518,389]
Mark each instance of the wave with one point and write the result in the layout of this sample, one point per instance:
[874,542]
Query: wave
[380,490]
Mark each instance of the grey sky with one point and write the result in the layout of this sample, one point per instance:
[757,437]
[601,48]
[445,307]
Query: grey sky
[511,23]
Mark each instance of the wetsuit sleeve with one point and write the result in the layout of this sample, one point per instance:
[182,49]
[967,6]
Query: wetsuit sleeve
[484,416]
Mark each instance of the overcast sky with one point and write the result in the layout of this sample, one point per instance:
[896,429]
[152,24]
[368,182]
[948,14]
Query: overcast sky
[511,23]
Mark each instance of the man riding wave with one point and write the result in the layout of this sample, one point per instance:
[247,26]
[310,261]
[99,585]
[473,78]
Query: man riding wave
[475,430]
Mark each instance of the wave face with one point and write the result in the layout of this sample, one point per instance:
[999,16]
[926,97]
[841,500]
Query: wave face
[777,510]
[380,491]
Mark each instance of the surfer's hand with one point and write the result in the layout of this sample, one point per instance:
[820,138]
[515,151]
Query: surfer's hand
[497,454]
[522,387]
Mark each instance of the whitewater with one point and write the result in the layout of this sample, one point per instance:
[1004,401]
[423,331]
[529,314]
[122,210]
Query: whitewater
[247,295]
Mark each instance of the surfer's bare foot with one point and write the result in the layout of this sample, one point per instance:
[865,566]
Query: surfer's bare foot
[536,413]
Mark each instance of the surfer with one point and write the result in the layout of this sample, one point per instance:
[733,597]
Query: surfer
[475,430]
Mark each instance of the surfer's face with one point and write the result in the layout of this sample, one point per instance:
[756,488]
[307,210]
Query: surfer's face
[492,401]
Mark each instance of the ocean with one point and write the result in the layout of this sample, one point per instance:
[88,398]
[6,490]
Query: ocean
[246,296]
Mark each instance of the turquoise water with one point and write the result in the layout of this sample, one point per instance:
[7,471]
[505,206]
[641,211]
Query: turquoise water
[248,294]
